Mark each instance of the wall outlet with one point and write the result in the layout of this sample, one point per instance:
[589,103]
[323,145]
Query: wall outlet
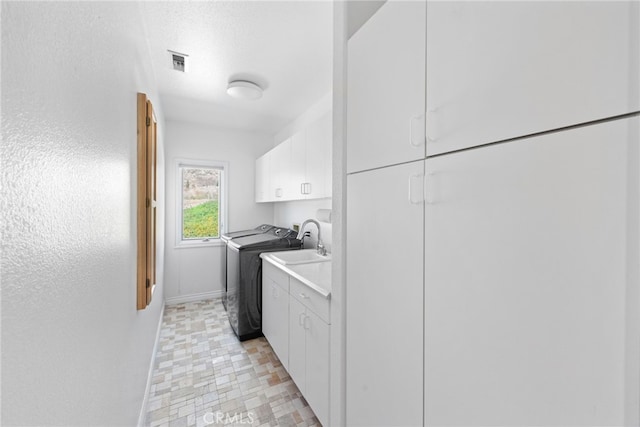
[296,227]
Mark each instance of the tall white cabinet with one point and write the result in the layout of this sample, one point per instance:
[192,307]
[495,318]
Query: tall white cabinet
[525,280]
[385,106]
[493,278]
[384,297]
[499,70]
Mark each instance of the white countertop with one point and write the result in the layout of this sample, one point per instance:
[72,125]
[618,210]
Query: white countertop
[316,275]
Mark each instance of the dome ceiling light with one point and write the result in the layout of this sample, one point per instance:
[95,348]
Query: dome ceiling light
[244,89]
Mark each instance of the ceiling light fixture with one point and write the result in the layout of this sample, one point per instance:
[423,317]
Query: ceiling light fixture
[243,89]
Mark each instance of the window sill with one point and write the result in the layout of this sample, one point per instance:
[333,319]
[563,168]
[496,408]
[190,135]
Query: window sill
[198,244]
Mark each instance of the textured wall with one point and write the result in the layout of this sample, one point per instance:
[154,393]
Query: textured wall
[191,271]
[74,349]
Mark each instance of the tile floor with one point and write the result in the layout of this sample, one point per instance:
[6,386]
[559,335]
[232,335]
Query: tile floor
[204,376]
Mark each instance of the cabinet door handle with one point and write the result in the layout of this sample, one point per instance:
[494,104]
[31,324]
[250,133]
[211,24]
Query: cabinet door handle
[301,319]
[303,295]
[305,188]
[416,189]
[416,130]
[432,132]
[430,188]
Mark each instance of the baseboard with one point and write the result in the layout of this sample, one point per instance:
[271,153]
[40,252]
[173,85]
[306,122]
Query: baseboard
[193,297]
[142,418]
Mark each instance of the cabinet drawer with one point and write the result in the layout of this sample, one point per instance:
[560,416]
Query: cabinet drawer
[278,276]
[310,298]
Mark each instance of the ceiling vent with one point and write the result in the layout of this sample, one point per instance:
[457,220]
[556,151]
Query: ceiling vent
[178,61]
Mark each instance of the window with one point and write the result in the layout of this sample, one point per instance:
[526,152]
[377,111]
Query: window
[201,202]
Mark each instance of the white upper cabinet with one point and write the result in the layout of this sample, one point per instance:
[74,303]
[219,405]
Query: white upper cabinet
[318,159]
[262,178]
[279,172]
[498,69]
[386,88]
[526,260]
[298,168]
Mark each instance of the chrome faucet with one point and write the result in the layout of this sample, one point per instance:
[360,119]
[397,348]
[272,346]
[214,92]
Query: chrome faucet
[320,249]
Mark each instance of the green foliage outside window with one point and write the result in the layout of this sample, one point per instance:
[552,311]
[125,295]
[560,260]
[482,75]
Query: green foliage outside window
[200,221]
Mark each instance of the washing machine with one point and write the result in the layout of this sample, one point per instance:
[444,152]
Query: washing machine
[244,277]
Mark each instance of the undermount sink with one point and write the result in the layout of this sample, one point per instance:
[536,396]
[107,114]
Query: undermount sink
[303,256]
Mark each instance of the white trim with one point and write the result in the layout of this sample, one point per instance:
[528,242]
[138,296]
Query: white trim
[193,297]
[142,418]
[199,244]
[339,318]
[222,208]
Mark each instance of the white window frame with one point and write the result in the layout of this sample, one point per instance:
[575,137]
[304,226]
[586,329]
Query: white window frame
[222,208]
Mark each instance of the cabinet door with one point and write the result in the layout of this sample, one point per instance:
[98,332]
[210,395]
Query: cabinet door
[317,350]
[276,165]
[328,156]
[525,280]
[386,82]
[262,178]
[275,318]
[319,141]
[297,166]
[497,70]
[384,297]
[297,356]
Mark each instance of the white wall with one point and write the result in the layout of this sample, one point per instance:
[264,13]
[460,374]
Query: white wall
[75,351]
[192,272]
[288,213]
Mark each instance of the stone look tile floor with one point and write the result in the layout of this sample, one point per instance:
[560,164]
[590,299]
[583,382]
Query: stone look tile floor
[204,376]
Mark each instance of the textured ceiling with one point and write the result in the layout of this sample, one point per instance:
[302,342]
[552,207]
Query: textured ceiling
[286,47]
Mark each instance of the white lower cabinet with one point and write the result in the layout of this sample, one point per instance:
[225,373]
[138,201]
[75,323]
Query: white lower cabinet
[309,356]
[297,355]
[299,335]
[275,311]
[317,341]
